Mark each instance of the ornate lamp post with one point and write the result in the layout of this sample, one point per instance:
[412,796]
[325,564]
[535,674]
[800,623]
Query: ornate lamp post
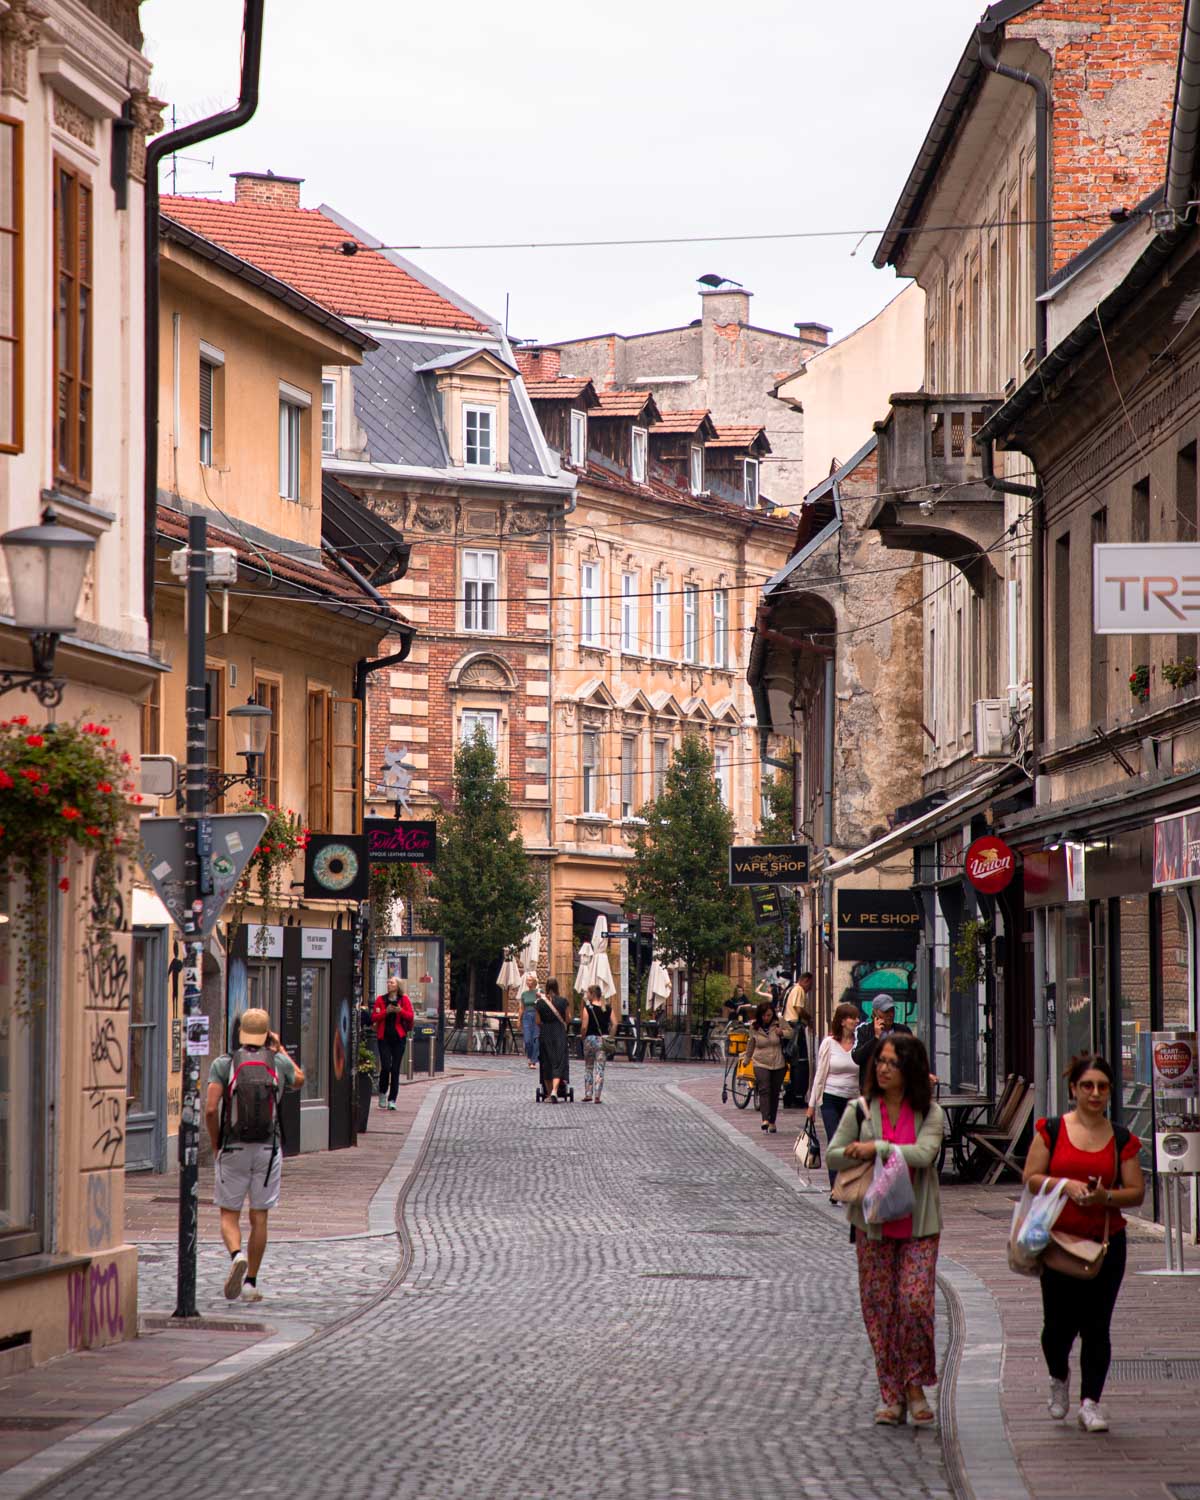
[46,566]
[251,730]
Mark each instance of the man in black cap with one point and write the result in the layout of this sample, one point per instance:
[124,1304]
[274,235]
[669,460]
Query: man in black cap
[881,1021]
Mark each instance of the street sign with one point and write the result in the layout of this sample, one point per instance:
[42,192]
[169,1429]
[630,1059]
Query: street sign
[767,906]
[231,839]
[877,926]
[768,864]
[1145,588]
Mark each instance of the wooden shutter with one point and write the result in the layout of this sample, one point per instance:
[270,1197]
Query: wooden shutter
[318,761]
[11,292]
[345,743]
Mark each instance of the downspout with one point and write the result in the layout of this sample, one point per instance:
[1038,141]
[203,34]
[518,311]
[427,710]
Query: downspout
[175,140]
[1041,170]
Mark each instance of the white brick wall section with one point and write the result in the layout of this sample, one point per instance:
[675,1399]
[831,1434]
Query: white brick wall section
[532,622]
[538,792]
[411,680]
[536,715]
[417,733]
[538,689]
[537,570]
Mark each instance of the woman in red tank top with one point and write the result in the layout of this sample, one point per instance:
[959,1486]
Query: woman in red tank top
[1102,1176]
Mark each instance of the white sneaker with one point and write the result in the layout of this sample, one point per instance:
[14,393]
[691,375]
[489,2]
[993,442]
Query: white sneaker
[391,1104]
[251,1294]
[1060,1398]
[237,1274]
[1091,1417]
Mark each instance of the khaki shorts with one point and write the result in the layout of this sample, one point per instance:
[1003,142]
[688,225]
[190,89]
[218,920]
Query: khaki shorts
[253,1167]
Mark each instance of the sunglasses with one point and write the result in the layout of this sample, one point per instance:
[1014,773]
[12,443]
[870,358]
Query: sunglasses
[1091,1087]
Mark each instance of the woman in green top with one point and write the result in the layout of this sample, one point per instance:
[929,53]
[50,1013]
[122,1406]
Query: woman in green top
[529,1026]
[897,1260]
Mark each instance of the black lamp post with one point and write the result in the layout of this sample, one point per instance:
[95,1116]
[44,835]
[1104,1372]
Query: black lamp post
[251,729]
[46,566]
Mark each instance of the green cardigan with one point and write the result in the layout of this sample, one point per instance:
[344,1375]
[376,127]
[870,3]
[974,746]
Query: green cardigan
[923,1157]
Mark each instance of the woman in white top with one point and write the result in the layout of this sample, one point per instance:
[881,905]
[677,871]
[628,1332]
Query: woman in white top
[836,1082]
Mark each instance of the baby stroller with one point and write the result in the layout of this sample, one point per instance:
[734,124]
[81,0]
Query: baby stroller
[565,1092]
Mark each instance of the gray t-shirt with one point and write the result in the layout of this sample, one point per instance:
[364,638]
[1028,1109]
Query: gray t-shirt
[222,1067]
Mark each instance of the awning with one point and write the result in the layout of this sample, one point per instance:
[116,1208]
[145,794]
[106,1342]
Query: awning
[351,527]
[981,791]
[585,912]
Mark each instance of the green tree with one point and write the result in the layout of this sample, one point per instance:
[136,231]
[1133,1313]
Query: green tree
[483,894]
[680,868]
[776,828]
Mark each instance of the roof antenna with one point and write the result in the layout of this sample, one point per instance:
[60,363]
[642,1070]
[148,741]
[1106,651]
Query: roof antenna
[506,315]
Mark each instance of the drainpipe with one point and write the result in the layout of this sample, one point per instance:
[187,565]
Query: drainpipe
[1041,185]
[176,140]
[827,804]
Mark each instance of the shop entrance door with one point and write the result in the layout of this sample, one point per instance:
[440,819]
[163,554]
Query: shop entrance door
[146,1114]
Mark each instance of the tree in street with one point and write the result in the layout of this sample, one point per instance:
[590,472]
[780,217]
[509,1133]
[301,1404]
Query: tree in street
[483,893]
[680,868]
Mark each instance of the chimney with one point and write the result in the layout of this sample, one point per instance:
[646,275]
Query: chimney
[814,333]
[266,190]
[539,364]
[725,304]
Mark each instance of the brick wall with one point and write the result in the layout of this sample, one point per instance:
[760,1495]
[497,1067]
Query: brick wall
[1113,86]
[266,190]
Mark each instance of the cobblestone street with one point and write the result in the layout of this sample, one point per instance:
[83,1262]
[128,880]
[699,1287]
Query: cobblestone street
[596,1299]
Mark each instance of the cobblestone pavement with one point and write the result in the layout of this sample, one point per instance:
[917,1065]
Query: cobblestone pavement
[596,1300]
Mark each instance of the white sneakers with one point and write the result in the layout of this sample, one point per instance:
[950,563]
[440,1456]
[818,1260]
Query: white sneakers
[237,1274]
[1060,1398]
[1091,1417]
[251,1294]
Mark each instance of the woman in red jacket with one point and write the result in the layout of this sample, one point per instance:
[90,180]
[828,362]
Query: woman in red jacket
[393,1017]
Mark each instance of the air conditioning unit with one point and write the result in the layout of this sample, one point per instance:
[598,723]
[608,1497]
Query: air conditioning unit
[991,720]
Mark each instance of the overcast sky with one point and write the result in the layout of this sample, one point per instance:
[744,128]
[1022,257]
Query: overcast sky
[460,121]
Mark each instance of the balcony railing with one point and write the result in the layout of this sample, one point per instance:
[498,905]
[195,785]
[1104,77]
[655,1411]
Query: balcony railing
[928,441]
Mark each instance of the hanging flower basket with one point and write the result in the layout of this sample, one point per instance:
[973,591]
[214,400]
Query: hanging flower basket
[1181,673]
[1139,682]
[283,838]
[62,786]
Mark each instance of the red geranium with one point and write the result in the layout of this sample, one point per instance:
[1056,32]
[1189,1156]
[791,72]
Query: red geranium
[64,884]
[6,780]
[104,786]
[70,813]
[34,741]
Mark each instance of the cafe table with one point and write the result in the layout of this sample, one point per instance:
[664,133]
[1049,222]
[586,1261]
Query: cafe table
[961,1112]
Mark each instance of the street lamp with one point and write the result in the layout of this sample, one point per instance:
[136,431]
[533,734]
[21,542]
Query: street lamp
[251,730]
[46,566]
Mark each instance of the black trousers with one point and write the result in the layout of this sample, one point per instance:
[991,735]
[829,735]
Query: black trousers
[770,1081]
[391,1055]
[1082,1309]
[833,1107]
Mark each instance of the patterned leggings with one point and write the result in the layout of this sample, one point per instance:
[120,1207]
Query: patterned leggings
[593,1066]
[896,1287]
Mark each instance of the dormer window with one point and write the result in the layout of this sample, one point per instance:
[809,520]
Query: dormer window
[578,439]
[479,437]
[637,456]
[750,482]
[696,469]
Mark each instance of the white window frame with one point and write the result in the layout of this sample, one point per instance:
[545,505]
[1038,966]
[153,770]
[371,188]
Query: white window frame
[487,718]
[628,776]
[750,482]
[328,416]
[721,773]
[291,432]
[479,462]
[638,448]
[629,612]
[660,615]
[579,439]
[720,651]
[691,623]
[589,604]
[662,752]
[589,765]
[696,468]
[208,373]
[480,590]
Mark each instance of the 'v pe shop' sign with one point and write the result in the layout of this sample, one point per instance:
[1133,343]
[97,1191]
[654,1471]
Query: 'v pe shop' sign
[768,864]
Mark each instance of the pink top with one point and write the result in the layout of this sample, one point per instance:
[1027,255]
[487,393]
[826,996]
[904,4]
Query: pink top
[902,1133]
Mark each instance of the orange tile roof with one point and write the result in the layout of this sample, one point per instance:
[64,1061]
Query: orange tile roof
[562,388]
[622,403]
[300,247]
[681,421]
[736,437]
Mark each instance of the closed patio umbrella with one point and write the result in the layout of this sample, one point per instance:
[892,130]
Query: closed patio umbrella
[586,970]
[658,982]
[510,973]
[531,949]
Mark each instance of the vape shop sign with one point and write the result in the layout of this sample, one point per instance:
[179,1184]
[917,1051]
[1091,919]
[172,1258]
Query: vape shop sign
[391,841]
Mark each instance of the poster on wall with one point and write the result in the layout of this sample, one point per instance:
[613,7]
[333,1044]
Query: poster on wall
[1177,849]
[335,867]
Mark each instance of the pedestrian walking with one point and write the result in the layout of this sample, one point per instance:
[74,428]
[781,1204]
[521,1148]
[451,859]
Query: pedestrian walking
[797,1015]
[1099,1164]
[836,1083]
[392,1014]
[768,1033]
[241,1110]
[879,1023]
[597,1026]
[552,1041]
[529,1021]
[897,1260]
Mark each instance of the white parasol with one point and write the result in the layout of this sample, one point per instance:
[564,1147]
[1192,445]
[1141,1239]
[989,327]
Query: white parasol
[601,968]
[531,949]
[586,970]
[511,973]
[658,981]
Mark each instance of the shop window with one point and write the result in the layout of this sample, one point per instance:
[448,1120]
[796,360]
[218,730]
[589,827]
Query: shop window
[11,264]
[314,1032]
[72,327]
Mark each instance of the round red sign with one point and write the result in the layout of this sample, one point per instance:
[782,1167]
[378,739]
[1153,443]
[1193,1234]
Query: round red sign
[990,865]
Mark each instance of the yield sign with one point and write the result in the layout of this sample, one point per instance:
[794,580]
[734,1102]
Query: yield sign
[224,845]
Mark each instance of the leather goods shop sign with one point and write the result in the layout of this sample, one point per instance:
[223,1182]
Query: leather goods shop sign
[768,864]
[877,925]
[392,841]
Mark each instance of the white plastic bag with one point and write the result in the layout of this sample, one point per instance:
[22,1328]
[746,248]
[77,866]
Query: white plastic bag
[1033,1218]
[890,1195]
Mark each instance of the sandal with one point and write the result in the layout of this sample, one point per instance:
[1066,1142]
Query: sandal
[920,1412]
[889,1416]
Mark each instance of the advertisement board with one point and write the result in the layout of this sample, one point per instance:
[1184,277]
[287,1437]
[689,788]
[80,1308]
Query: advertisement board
[1145,588]
[877,926]
[768,864]
[1177,848]
[394,841]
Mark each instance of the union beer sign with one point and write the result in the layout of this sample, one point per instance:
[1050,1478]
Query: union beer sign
[990,865]
[768,864]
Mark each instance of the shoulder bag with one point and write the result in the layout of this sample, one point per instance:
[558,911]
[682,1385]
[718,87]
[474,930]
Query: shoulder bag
[851,1183]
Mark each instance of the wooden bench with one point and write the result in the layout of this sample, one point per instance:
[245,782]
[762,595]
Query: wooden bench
[1000,1141]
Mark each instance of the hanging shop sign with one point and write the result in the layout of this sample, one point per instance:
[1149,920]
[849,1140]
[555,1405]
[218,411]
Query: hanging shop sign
[392,841]
[335,867]
[1076,858]
[877,926]
[990,865]
[768,864]
[1177,848]
[767,906]
[1145,588]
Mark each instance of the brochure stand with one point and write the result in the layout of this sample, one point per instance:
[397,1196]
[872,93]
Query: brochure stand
[1176,1081]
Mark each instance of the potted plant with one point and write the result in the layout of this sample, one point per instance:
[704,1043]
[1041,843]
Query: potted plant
[1139,682]
[365,1072]
[1181,673]
[282,839]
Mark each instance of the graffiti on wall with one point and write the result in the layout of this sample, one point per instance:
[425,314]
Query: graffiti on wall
[106,967]
[94,1313]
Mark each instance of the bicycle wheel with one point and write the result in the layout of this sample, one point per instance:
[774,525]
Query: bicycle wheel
[741,1090]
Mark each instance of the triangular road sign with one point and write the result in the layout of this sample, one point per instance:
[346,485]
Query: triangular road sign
[225,842]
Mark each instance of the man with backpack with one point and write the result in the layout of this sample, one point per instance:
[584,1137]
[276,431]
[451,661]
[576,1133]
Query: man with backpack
[245,1088]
